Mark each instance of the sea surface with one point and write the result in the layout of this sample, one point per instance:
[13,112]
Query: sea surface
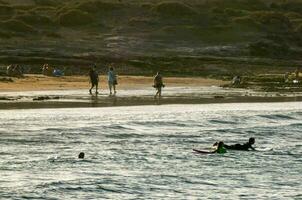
[145,152]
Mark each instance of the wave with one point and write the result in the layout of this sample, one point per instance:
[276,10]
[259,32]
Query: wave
[296,124]
[216,121]
[31,141]
[162,123]
[117,127]
[277,117]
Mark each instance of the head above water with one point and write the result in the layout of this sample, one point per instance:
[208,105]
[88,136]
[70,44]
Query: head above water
[81,155]
[220,144]
[252,140]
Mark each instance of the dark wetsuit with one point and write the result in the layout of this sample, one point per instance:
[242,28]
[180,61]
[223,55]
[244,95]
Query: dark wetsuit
[158,82]
[94,78]
[242,147]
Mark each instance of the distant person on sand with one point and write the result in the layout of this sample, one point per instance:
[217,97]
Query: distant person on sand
[94,79]
[286,77]
[297,72]
[112,80]
[236,80]
[243,147]
[158,84]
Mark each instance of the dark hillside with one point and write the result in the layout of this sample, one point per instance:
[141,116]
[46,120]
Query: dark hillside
[213,37]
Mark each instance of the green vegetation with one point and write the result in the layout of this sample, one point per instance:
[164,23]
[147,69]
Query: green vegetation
[34,19]
[174,9]
[17,26]
[183,37]
[98,6]
[75,18]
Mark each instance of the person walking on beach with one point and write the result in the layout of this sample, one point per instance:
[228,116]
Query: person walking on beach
[112,80]
[158,84]
[94,79]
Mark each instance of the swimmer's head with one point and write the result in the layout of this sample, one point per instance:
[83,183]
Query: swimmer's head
[81,155]
[220,144]
[252,141]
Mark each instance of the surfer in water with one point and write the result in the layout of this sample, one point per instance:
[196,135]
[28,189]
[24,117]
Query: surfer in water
[242,147]
[220,149]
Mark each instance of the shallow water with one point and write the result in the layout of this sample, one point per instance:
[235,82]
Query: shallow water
[184,92]
[146,152]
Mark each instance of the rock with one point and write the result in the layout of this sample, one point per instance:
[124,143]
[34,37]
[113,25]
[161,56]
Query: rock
[4,79]
[42,98]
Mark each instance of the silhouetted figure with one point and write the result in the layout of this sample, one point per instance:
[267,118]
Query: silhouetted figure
[14,70]
[236,80]
[243,147]
[158,84]
[81,155]
[94,79]
[47,70]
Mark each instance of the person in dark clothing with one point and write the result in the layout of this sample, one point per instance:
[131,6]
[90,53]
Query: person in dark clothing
[94,79]
[243,147]
[158,84]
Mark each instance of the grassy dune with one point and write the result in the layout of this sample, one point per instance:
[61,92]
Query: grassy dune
[183,37]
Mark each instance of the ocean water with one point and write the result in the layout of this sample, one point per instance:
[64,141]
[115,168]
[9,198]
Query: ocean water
[145,152]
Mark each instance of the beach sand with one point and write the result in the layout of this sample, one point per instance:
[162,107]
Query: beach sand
[38,91]
[41,83]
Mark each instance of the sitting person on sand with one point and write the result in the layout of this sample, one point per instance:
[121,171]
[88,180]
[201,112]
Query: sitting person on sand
[158,84]
[286,77]
[297,73]
[94,79]
[236,80]
[242,147]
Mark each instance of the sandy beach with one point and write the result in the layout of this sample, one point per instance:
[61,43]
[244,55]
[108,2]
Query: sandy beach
[42,83]
[38,91]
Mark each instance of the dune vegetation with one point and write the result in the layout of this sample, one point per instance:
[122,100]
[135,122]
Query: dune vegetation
[180,37]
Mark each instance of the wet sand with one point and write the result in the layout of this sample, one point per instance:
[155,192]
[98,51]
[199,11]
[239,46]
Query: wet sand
[36,91]
[120,101]
[40,82]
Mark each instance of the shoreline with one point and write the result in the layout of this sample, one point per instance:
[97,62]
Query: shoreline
[35,101]
[38,92]
[35,82]
[121,102]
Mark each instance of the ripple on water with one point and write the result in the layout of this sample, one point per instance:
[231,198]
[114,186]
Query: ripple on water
[142,152]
